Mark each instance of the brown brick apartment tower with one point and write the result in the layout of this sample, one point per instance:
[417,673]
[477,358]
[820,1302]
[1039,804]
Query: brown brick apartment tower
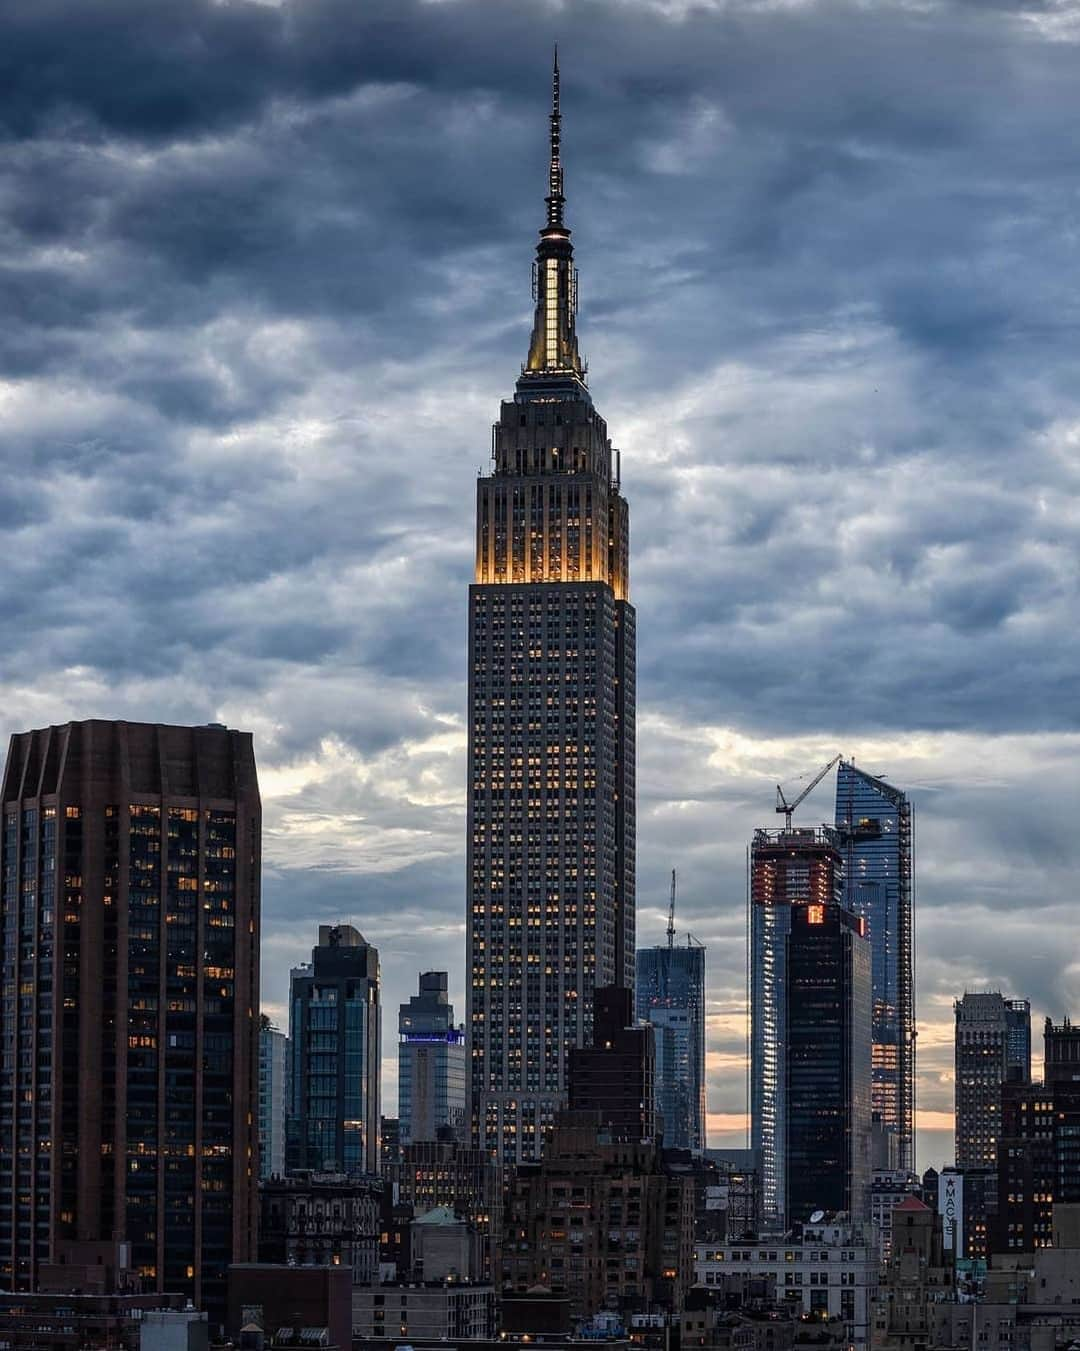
[129,943]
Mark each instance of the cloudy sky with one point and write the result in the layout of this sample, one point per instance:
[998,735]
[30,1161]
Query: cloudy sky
[264,278]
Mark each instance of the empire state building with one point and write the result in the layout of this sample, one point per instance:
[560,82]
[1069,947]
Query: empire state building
[551,723]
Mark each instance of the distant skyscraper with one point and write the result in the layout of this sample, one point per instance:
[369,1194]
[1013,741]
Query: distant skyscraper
[431,1064]
[130,956]
[274,1066]
[551,725]
[990,1049]
[334,1029]
[986,1027]
[671,996]
[787,867]
[1018,1039]
[874,821]
[826,1033]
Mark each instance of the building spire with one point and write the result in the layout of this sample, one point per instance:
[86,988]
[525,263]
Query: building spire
[555,197]
[553,351]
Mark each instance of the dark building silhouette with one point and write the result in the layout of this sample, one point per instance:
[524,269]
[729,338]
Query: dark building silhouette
[827,1034]
[874,823]
[130,955]
[1038,1151]
[551,724]
[614,1076]
[335,1039]
[788,867]
[602,1222]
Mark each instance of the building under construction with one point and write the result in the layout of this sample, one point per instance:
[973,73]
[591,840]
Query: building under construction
[671,996]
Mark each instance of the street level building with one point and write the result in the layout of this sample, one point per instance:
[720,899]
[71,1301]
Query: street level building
[670,994]
[551,724]
[335,1031]
[437,1311]
[432,1080]
[874,823]
[600,1221]
[918,1274]
[787,868]
[129,947]
[322,1219]
[889,1188]
[447,1173]
[828,1269]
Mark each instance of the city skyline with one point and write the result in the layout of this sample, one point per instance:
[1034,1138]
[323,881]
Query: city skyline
[241,455]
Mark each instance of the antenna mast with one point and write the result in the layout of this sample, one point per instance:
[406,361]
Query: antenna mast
[671,914]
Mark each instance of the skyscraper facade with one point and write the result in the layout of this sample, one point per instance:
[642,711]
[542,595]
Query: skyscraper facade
[432,1089]
[670,994]
[874,823]
[985,1034]
[129,948]
[274,1065]
[335,1033]
[827,1038]
[989,1051]
[551,724]
[787,868]
[1018,1039]
[614,1076]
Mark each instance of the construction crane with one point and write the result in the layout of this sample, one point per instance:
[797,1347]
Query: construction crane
[783,805]
[671,914]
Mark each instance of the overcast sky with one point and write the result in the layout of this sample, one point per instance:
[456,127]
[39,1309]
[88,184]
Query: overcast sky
[264,278]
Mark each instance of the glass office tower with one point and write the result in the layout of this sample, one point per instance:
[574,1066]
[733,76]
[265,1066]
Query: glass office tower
[671,996]
[334,1034]
[874,821]
[787,868]
[827,1036]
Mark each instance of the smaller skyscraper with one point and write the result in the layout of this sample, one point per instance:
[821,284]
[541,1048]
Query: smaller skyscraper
[788,867]
[614,1076]
[273,1099]
[334,1028]
[993,1046]
[431,1064]
[827,1031]
[671,995]
[989,1044]
[1018,1039]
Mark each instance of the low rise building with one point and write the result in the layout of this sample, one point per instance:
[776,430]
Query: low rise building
[322,1219]
[829,1270]
[601,1221]
[888,1188]
[70,1322]
[277,1302]
[431,1311]
[919,1274]
[445,1173]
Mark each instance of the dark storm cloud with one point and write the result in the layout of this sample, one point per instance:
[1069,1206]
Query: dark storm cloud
[264,278]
